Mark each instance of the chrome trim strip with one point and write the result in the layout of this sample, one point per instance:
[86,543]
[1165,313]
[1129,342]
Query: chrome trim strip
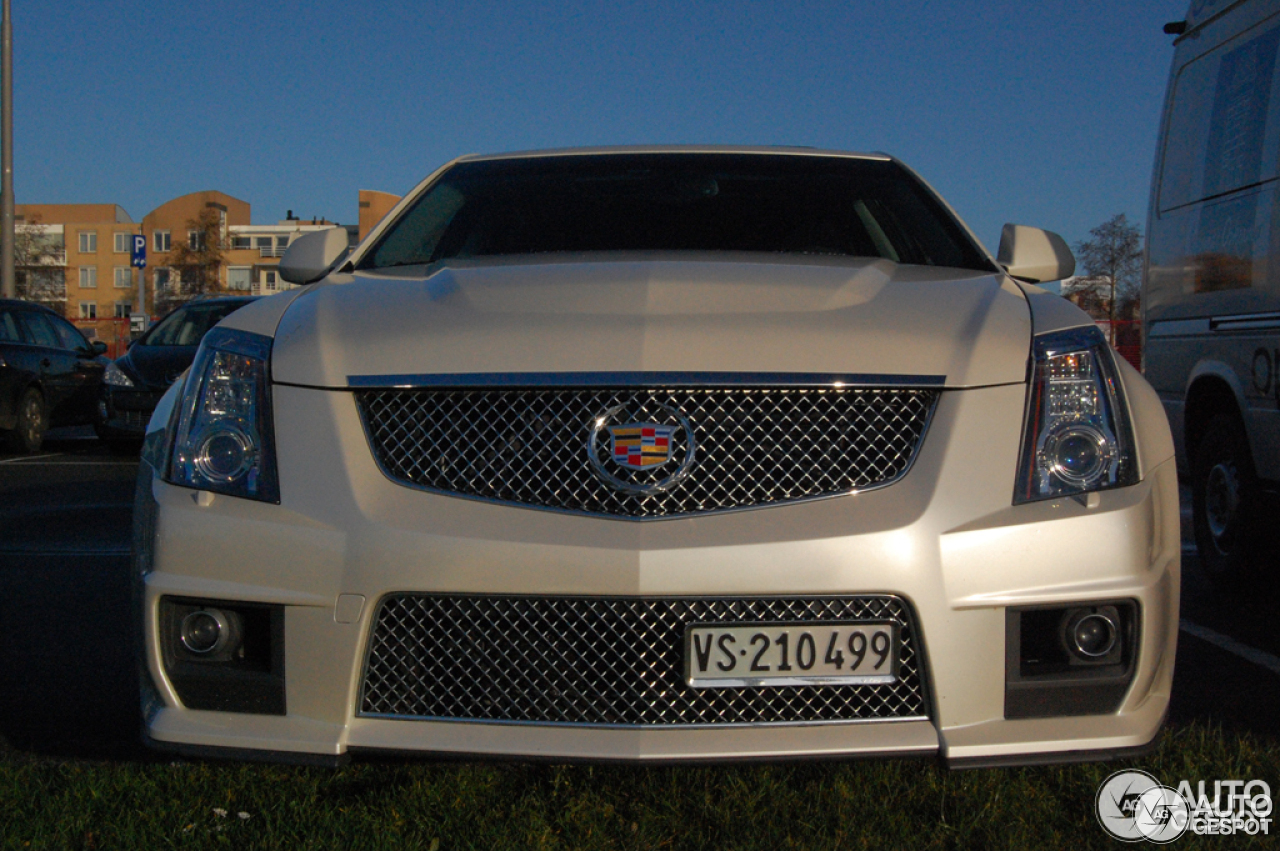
[1245,322]
[644,727]
[1206,325]
[1178,328]
[641,379]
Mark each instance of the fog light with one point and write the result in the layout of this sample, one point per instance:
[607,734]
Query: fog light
[205,631]
[1090,635]
[1063,660]
[224,655]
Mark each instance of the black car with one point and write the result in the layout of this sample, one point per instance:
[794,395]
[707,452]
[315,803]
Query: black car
[49,374]
[135,381]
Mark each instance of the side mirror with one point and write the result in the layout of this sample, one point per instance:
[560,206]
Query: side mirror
[98,347]
[1035,255]
[313,255]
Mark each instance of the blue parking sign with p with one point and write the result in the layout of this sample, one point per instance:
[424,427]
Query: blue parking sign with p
[139,258]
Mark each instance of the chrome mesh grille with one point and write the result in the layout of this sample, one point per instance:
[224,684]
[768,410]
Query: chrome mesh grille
[755,446]
[605,661]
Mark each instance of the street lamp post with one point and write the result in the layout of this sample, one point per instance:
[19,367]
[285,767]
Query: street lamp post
[8,283]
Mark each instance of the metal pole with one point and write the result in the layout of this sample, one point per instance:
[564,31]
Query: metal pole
[141,307]
[8,284]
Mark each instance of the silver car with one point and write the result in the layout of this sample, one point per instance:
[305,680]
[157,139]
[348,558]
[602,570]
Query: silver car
[661,454]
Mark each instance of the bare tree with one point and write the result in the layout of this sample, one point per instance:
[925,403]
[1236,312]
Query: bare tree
[1112,259]
[39,260]
[196,263]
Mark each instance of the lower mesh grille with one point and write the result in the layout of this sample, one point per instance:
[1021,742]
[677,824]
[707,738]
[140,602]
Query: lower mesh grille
[606,661]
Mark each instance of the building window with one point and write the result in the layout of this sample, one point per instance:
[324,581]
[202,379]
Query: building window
[240,243]
[123,309]
[239,278]
[122,245]
[162,280]
[269,279]
[195,239]
[88,241]
[262,242]
[123,277]
[88,276]
[160,239]
[88,310]
[282,242]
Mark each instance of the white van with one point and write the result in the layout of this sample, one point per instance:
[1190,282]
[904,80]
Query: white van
[1211,284]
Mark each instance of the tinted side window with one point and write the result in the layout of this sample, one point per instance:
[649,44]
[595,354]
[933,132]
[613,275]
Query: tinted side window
[9,332]
[40,330]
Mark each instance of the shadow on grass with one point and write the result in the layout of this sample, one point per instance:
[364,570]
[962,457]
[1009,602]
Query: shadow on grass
[66,656]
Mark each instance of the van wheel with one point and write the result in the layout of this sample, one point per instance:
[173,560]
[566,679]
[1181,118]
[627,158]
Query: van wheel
[28,431]
[1223,497]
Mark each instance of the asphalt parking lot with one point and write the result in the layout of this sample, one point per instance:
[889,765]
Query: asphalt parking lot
[66,642]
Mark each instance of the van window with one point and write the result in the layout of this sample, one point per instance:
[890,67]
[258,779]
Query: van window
[1218,121]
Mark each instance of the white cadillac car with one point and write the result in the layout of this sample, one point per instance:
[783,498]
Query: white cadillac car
[660,454]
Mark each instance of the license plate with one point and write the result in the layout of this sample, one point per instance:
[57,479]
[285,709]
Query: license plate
[791,654]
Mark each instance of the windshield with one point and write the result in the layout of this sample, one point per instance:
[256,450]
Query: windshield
[778,204]
[188,325]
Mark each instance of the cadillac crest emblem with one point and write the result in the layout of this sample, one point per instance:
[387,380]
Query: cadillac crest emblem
[649,449]
[640,445]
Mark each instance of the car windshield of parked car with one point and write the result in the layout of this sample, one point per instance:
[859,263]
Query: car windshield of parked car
[188,325]
[771,203]
[69,334]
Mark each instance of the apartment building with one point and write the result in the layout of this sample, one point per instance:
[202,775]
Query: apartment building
[373,206]
[84,250]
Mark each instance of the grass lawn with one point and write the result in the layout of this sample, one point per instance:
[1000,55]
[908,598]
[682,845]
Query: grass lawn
[442,806]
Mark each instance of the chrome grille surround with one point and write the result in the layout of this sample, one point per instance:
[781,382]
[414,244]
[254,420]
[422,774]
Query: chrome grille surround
[607,661]
[756,445]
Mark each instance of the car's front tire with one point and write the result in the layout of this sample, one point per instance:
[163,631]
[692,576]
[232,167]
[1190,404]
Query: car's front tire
[28,432]
[1224,495]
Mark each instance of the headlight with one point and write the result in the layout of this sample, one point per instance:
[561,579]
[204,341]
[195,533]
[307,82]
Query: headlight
[223,441]
[1077,436]
[116,377]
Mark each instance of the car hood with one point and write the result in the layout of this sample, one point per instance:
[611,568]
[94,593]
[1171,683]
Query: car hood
[831,317]
[156,366]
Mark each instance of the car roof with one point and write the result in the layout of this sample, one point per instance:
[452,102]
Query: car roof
[774,150]
[18,303]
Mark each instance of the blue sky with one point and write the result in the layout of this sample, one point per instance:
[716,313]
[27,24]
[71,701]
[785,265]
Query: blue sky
[1041,113]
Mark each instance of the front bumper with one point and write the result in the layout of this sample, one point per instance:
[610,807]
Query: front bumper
[945,539]
[123,412]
